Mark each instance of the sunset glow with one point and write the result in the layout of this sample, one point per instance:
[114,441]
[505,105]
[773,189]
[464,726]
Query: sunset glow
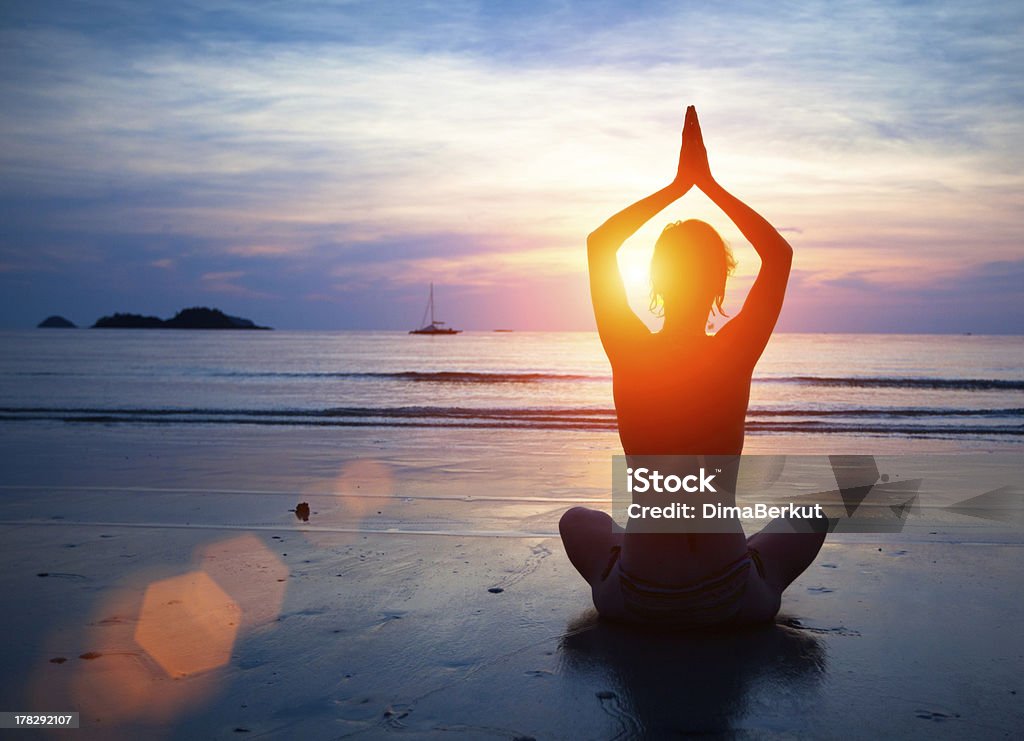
[316,166]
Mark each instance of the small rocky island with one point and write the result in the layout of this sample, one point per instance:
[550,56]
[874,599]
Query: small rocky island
[56,322]
[198,317]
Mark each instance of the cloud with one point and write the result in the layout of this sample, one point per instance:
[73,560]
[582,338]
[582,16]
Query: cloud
[985,297]
[261,250]
[225,282]
[311,145]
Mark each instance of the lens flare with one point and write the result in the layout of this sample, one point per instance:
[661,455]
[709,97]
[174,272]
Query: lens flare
[108,677]
[188,624]
[363,490]
[254,577]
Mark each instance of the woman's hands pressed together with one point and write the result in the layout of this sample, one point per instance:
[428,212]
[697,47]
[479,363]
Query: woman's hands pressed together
[693,156]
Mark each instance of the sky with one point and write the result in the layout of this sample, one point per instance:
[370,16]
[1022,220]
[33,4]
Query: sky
[316,165]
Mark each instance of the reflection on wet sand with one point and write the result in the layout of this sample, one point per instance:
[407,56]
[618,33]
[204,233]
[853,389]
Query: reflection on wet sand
[669,684]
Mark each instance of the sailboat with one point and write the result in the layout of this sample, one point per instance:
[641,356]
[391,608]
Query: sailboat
[435,327]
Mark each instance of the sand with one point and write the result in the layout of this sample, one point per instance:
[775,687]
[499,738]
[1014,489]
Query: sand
[428,596]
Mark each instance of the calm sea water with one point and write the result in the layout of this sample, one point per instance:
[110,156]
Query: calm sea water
[903,385]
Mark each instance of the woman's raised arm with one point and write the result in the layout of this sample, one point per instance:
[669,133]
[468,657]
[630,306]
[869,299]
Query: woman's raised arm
[616,323]
[748,331]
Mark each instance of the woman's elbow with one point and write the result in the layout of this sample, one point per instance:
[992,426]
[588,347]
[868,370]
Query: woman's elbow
[779,259]
[598,242]
[784,253]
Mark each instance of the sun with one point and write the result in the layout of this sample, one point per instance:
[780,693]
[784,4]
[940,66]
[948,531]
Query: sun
[635,268]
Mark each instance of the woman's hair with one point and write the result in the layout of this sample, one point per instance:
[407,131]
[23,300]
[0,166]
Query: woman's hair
[690,258]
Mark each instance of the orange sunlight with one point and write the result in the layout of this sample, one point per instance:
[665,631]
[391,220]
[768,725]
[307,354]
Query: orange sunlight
[635,268]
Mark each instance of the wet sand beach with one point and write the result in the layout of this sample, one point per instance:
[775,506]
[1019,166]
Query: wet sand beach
[158,581]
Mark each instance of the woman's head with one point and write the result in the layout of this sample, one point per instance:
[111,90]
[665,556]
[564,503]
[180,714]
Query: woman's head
[690,265]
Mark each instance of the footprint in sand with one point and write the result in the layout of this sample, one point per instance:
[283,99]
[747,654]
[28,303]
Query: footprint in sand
[936,715]
[610,704]
[56,575]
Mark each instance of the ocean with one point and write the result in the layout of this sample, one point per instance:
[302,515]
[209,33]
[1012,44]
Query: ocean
[961,387]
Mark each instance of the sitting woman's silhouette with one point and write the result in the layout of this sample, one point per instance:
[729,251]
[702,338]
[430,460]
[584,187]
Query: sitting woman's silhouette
[681,392]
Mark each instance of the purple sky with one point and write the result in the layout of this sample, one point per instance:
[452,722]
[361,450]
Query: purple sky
[315,166]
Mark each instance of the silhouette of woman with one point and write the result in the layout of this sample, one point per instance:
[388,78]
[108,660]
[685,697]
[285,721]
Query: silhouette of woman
[682,392]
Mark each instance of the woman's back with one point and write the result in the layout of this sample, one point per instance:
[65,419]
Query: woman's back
[677,397]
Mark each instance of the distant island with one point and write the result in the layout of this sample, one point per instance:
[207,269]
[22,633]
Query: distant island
[198,317]
[56,322]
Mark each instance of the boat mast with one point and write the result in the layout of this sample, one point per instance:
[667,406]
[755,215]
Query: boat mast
[431,303]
